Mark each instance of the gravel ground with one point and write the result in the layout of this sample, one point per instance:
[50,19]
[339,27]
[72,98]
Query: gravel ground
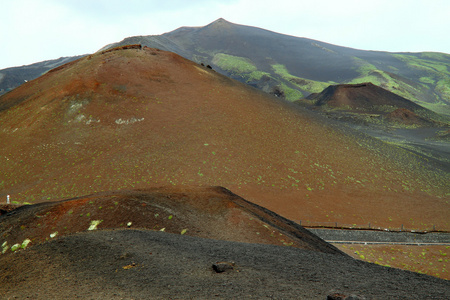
[137,264]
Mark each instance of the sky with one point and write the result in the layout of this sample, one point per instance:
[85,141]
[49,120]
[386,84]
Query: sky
[37,30]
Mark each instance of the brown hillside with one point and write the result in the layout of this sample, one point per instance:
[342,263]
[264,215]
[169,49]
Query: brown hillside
[140,118]
[366,96]
[208,212]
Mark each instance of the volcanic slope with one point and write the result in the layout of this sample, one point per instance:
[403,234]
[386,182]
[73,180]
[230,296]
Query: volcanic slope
[294,67]
[365,96]
[136,118]
[369,98]
[138,264]
[207,212]
[386,116]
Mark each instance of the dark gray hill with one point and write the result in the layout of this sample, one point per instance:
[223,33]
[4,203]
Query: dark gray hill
[135,264]
[11,78]
[265,47]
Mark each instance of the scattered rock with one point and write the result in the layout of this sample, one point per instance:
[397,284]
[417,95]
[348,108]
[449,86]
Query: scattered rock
[336,296]
[125,47]
[223,266]
[125,255]
[278,92]
[342,296]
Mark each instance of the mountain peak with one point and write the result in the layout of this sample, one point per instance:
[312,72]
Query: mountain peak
[221,21]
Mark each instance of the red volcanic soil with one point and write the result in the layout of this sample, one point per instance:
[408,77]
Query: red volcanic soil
[208,212]
[4,208]
[141,118]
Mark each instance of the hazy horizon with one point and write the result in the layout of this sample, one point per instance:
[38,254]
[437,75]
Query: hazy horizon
[41,30]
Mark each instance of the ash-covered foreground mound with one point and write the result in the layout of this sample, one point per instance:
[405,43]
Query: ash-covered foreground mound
[136,264]
[208,212]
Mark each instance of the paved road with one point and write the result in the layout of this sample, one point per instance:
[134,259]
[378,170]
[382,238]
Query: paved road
[381,237]
[389,243]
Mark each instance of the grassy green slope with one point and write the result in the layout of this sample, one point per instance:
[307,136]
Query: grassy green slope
[240,66]
[428,84]
[311,86]
[421,77]
[244,68]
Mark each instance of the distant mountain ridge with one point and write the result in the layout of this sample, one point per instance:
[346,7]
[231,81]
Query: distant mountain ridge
[294,67]
[11,78]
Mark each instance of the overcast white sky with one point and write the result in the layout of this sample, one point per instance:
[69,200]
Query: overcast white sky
[37,30]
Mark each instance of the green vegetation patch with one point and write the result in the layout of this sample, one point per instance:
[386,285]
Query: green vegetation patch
[435,55]
[436,64]
[363,67]
[376,77]
[255,75]
[238,66]
[282,71]
[235,64]
[440,108]
[443,87]
[290,93]
[308,85]
[386,81]
[5,247]
[427,80]
[434,70]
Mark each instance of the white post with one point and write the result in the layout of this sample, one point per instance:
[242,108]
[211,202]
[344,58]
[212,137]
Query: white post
[7,199]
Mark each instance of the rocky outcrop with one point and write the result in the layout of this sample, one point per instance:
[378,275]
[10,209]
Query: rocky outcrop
[125,47]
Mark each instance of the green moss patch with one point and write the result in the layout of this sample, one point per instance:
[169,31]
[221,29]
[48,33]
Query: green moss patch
[434,64]
[237,65]
[308,85]
[290,93]
[234,64]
